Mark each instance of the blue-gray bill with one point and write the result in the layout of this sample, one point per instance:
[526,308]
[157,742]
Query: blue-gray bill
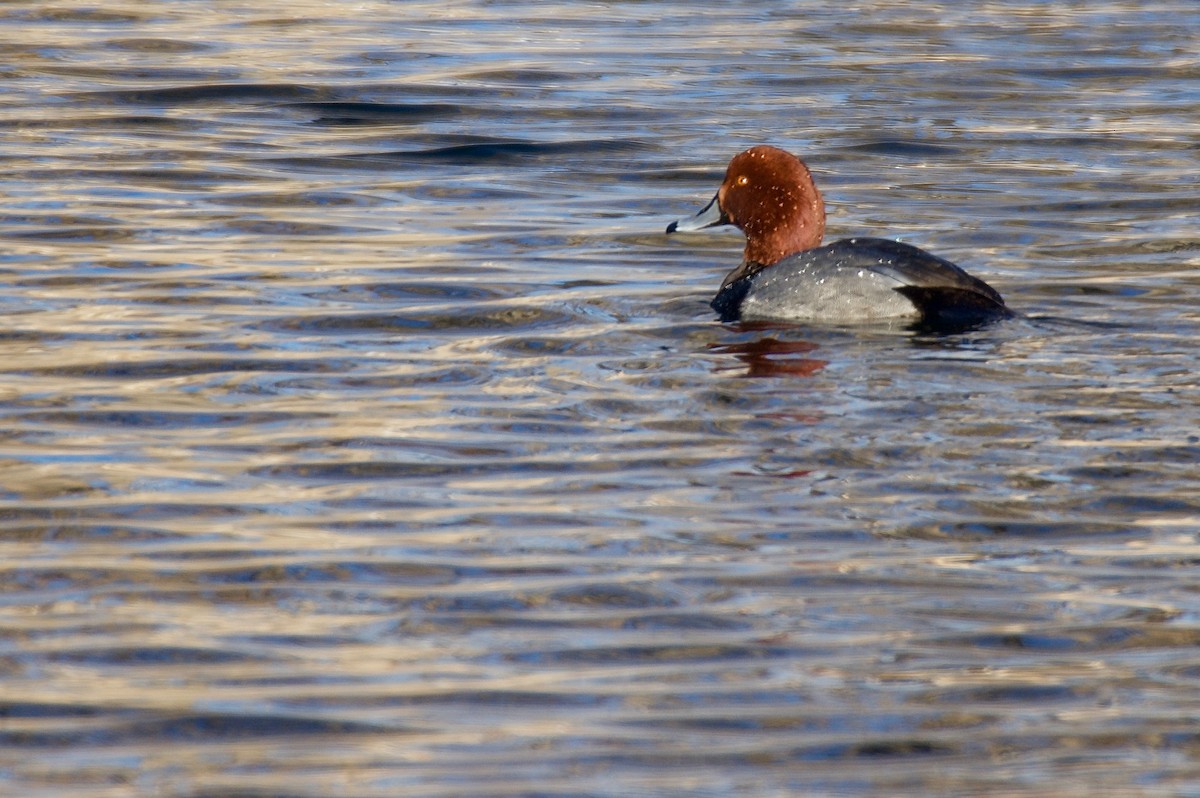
[710,215]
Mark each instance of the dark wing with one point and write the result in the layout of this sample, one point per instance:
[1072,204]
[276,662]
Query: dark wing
[946,296]
[911,266]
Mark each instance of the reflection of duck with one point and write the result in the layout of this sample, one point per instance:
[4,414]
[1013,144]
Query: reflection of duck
[787,275]
[770,357]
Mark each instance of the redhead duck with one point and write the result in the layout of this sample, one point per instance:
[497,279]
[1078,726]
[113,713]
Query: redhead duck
[787,275]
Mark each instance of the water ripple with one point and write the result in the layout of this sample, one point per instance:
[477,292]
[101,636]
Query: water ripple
[364,434]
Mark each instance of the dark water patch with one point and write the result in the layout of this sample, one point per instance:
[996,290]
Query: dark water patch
[184,367]
[544,519]
[415,445]
[1075,74]
[79,532]
[512,698]
[666,653]
[770,711]
[468,320]
[156,45]
[499,152]
[74,279]
[205,93]
[293,641]
[1094,639]
[687,621]
[141,656]
[1188,672]
[472,97]
[209,728]
[24,580]
[380,113]
[1021,641]
[1151,633]
[91,16]
[514,467]
[104,122]
[106,234]
[390,470]
[14,709]
[33,336]
[1117,201]
[521,618]
[1169,246]
[902,748]
[542,346]
[138,74]
[159,419]
[1143,505]
[440,192]
[484,603]
[1168,567]
[613,595]
[272,228]
[466,697]
[1013,694]
[445,377]
[54,221]
[297,199]
[185,294]
[1175,454]
[433,291]
[349,573]
[532,77]
[124,513]
[905,149]
[168,178]
[984,528]
[564,424]
[385,56]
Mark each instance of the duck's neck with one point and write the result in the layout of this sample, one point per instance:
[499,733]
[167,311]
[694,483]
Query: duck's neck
[788,232]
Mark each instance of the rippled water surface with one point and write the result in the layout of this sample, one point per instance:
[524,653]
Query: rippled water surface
[363,435]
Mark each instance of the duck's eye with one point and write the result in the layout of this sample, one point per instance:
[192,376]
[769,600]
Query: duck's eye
[743,181]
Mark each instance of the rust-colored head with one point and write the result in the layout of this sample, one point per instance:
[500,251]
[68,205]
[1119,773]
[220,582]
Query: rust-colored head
[770,195]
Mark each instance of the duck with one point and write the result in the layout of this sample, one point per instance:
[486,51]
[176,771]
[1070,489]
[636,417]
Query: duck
[787,275]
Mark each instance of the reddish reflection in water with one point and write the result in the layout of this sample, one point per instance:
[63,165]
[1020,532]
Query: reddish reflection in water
[771,357]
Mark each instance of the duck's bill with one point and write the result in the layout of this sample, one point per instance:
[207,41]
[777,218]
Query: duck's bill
[710,216]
